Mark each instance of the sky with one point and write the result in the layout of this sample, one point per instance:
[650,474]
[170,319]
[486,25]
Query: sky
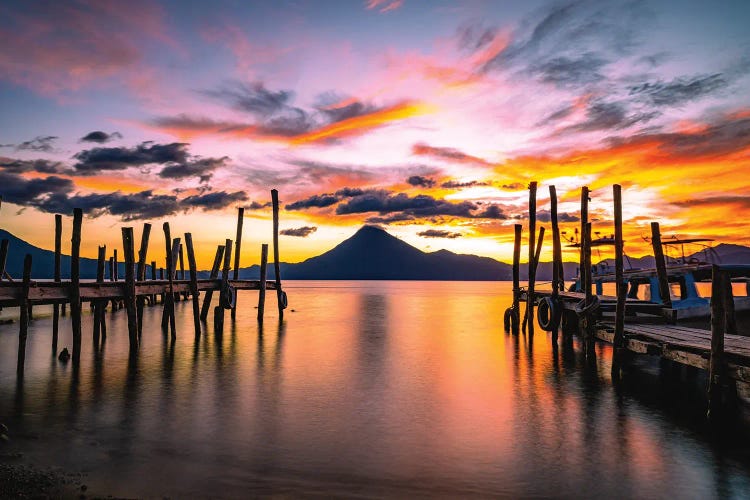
[428,118]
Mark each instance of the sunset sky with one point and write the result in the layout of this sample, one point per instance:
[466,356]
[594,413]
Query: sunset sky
[426,117]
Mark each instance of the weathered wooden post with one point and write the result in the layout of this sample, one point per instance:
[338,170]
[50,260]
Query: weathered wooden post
[56,277]
[3,257]
[262,283]
[179,295]
[557,270]
[532,272]
[661,265]
[75,283]
[584,220]
[168,299]
[276,265]
[718,326]
[193,284]
[153,278]
[141,273]
[172,275]
[588,333]
[621,287]
[219,310]
[128,248]
[116,265]
[100,327]
[535,265]
[238,246]
[516,315]
[24,313]
[214,274]
[728,297]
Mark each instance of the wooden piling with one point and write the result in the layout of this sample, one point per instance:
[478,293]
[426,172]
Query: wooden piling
[584,220]
[24,315]
[182,271]
[276,265]
[3,257]
[153,277]
[128,248]
[75,283]
[661,265]
[620,285]
[193,284]
[175,250]
[514,321]
[116,266]
[588,331]
[168,298]
[558,281]
[219,310]
[730,320]
[262,290]
[238,246]
[214,274]
[56,277]
[141,273]
[532,271]
[718,325]
[100,328]
[535,265]
[111,269]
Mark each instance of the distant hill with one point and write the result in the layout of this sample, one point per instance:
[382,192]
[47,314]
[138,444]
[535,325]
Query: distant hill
[370,254]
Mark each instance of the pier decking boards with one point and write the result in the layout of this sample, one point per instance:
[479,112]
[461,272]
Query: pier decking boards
[136,291]
[650,327]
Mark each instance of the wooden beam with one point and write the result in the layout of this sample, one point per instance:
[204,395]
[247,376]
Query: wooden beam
[214,274]
[56,277]
[514,323]
[168,298]
[24,319]
[262,282]
[3,257]
[193,284]
[276,264]
[661,265]
[532,271]
[620,285]
[558,281]
[219,310]
[584,220]
[75,282]
[100,325]
[141,273]
[128,248]
[238,246]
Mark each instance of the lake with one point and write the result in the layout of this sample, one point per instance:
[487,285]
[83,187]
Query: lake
[366,389]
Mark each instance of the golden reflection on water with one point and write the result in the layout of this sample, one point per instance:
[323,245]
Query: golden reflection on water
[371,388]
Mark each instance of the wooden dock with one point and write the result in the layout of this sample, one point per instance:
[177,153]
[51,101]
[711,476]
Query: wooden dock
[135,291]
[630,324]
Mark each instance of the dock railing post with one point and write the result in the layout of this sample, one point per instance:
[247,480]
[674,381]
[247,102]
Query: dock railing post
[237,247]
[276,263]
[141,274]
[558,282]
[24,316]
[193,284]
[56,277]
[718,327]
[75,282]
[621,287]
[584,220]
[532,272]
[661,265]
[516,315]
[262,284]
[128,248]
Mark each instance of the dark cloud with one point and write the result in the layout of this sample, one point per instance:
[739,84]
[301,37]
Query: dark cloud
[300,232]
[680,90]
[390,219]
[42,166]
[438,233]
[491,212]
[421,181]
[603,115]
[17,189]
[143,205]
[214,200]
[453,184]
[317,201]
[258,206]
[724,136]
[253,98]
[515,186]
[348,192]
[91,161]
[571,71]
[100,137]
[40,144]
[546,216]
[202,168]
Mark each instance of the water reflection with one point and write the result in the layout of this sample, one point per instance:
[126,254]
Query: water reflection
[372,389]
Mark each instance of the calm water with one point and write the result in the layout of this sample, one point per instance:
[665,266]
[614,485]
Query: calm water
[367,389]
